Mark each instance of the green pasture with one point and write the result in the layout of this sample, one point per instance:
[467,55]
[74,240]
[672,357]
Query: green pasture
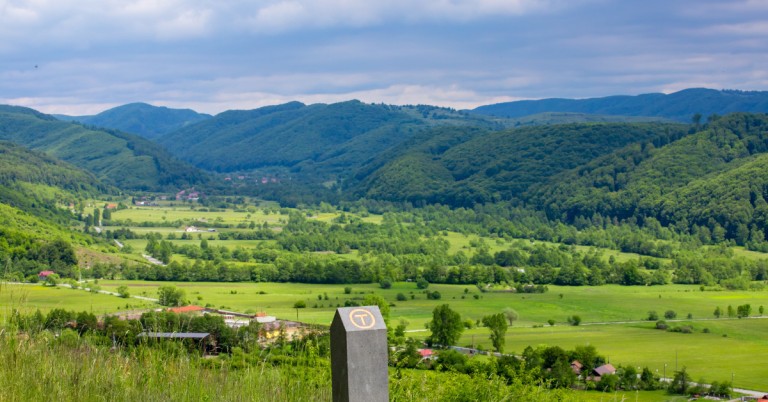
[28,298]
[630,396]
[706,355]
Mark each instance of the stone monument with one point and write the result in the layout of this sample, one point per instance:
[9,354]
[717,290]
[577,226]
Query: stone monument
[359,355]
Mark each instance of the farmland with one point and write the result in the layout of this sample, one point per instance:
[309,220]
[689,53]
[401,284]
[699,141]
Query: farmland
[709,355]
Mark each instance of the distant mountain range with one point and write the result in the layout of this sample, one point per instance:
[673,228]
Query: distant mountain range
[140,118]
[679,106]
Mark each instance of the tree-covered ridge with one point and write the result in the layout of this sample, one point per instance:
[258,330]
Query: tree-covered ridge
[120,159]
[712,179]
[468,167]
[140,118]
[22,165]
[678,106]
[291,135]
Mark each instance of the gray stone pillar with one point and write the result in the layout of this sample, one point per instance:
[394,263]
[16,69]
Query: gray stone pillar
[359,355]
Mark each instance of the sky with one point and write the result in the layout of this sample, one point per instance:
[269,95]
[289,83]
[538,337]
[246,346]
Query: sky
[81,57]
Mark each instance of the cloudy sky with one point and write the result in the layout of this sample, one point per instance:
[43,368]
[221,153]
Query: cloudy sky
[84,56]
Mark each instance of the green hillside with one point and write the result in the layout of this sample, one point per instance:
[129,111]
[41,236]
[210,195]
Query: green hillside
[464,166]
[140,118]
[38,184]
[327,141]
[679,106]
[119,159]
[291,135]
[712,178]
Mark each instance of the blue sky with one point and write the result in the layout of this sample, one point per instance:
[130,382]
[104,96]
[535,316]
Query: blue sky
[217,55]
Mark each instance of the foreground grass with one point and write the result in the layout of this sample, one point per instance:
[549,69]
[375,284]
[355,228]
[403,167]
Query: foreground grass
[47,370]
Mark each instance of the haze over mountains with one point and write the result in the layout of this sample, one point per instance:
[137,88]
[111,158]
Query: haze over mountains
[140,118]
[678,106]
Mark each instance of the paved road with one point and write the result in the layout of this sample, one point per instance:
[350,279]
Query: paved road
[153,260]
[118,244]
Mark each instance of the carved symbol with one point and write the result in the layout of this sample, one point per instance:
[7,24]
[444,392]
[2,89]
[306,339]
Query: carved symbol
[362,319]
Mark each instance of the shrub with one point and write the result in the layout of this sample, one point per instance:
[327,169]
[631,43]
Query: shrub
[434,295]
[123,292]
[347,290]
[476,296]
[574,320]
[653,316]
[422,283]
[551,322]
[670,315]
[385,283]
[469,324]
[351,303]
[705,330]
[690,316]
[300,304]
[401,297]
[661,324]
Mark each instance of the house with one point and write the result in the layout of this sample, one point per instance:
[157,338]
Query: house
[576,367]
[186,309]
[143,198]
[241,177]
[44,274]
[264,318]
[227,178]
[180,193]
[191,229]
[139,202]
[603,370]
[426,353]
[111,206]
[162,197]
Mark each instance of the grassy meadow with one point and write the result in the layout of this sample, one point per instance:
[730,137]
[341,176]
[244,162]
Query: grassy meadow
[708,355]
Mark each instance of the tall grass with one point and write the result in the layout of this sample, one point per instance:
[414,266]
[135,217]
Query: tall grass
[36,366]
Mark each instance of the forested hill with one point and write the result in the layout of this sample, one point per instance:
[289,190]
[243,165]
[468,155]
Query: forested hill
[316,139]
[123,160]
[141,118]
[679,106]
[35,182]
[463,166]
[713,182]
[326,141]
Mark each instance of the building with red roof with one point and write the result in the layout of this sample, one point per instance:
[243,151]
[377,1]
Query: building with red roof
[186,309]
[44,274]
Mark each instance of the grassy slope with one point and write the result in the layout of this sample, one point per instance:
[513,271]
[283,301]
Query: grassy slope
[120,159]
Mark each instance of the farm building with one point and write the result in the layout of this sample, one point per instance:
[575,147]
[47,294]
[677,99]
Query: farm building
[192,229]
[111,206]
[576,367]
[601,371]
[44,274]
[187,309]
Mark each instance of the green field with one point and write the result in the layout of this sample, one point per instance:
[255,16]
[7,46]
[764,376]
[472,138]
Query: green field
[711,356]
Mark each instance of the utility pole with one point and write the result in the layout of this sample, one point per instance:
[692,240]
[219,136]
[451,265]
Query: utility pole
[297,315]
[675,359]
[665,372]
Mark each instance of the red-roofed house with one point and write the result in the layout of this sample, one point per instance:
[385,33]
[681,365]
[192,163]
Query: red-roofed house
[426,353]
[111,206]
[186,309]
[44,274]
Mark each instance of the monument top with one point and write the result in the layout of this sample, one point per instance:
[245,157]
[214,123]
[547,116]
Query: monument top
[363,318]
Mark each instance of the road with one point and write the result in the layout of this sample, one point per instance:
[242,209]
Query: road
[152,260]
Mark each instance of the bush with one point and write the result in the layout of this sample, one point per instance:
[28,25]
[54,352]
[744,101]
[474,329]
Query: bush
[347,290]
[653,316]
[123,292]
[422,283]
[661,324]
[670,315]
[33,279]
[551,322]
[401,297]
[385,283]
[574,320]
[300,304]
[476,296]
[705,330]
[434,295]
[351,303]
[469,324]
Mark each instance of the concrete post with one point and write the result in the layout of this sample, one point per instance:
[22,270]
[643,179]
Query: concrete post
[359,355]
